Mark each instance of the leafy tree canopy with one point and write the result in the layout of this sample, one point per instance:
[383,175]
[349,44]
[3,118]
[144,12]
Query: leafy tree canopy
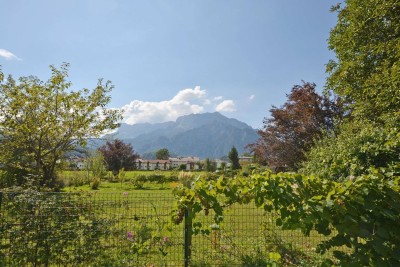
[118,155]
[41,121]
[366,74]
[162,154]
[366,41]
[292,128]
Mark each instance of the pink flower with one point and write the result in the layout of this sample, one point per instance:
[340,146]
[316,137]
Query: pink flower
[129,236]
[125,193]
[164,241]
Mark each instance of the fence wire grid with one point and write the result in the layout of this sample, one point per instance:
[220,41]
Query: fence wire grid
[135,229]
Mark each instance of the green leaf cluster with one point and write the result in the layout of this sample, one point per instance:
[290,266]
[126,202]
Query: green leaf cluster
[366,75]
[358,148]
[366,41]
[357,213]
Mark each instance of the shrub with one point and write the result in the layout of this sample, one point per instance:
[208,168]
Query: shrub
[48,228]
[95,183]
[358,147]
[358,213]
[137,183]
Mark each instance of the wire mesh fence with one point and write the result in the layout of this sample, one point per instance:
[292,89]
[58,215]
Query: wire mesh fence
[135,229]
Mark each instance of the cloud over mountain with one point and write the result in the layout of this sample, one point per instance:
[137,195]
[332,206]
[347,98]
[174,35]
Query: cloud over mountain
[226,106]
[205,135]
[186,101]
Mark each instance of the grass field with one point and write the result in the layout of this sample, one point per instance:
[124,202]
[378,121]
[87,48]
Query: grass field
[247,234]
[141,233]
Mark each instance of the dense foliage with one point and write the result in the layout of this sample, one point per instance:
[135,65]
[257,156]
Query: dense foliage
[292,128]
[366,75]
[360,147]
[358,214]
[162,153]
[366,42]
[118,155]
[45,228]
[41,121]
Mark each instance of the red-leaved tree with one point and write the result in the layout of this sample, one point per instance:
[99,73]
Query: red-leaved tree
[118,155]
[292,128]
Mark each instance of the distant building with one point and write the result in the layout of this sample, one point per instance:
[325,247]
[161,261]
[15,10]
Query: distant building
[245,160]
[220,162]
[152,164]
[189,162]
[76,163]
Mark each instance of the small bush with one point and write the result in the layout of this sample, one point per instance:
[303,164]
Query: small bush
[137,183]
[95,183]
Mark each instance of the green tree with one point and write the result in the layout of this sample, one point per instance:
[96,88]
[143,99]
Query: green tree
[96,164]
[41,121]
[96,168]
[366,41]
[210,165]
[366,74]
[234,158]
[162,154]
[118,155]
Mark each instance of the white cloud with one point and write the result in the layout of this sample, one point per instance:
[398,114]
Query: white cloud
[207,102]
[185,102]
[217,98]
[226,105]
[8,55]
[251,97]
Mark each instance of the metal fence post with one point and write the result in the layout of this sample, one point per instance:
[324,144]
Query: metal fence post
[188,236]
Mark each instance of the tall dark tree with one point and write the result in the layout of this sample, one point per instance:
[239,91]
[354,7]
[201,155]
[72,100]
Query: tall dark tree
[292,128]
[234,158]
[162,153]
[118,155]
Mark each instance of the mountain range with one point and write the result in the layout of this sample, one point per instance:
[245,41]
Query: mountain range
[203,135]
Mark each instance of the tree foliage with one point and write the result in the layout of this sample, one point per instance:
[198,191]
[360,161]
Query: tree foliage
[366,74]
[357,214]
[292,128]
[41,121]
[359,148]
[234,158]
[210,165]
[366,41]
[163,154]
[96,168]
[118,155]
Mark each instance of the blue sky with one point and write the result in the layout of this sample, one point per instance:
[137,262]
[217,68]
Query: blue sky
[168,58]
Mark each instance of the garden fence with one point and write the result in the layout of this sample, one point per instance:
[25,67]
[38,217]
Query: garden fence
[135,229]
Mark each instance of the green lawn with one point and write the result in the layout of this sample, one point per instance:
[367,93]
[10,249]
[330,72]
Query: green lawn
[246,236]
[107,187]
